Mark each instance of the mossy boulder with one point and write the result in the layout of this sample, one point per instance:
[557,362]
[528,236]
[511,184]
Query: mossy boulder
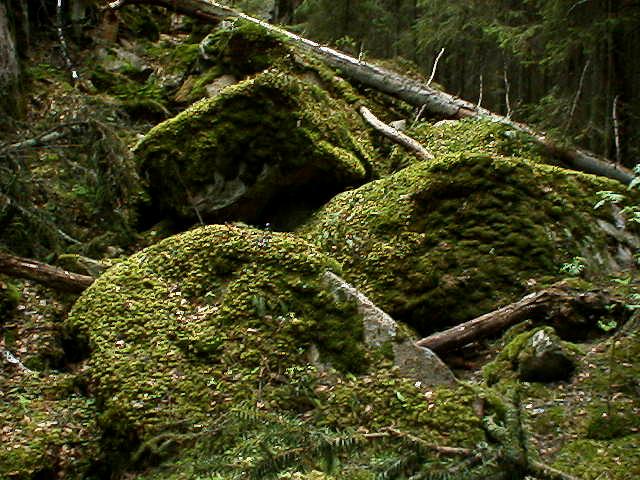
[194,337]
[441,242]
[537,355]
[270,141]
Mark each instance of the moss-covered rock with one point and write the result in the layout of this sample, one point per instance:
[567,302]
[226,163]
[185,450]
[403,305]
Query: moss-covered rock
[537,355]
[442,242]
[194,337]
[271,136]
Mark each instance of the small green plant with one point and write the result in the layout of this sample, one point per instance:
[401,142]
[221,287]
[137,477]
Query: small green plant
[573,268]
[607,197]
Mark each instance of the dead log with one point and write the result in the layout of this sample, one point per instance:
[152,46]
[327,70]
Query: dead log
[48,275]
[411,91]
[552,302]
[395,135]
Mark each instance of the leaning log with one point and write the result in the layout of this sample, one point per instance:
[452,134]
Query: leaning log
[411,91]
[546,304]
[48,275]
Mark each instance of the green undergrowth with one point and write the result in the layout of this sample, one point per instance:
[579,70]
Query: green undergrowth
[441,242]
[589,425]
[48,428]
[264,135]
[341,435]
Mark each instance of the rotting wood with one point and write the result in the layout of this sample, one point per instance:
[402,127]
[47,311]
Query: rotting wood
[395,135]
[545,303]
[48,275]
[411,91]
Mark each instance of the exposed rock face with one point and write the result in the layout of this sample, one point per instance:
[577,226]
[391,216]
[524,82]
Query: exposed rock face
[380,331]
[442,242]
[233,156]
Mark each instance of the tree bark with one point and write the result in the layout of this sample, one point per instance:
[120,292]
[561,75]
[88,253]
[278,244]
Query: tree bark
[407,89]
[396,136]
[48,275]
[556,300]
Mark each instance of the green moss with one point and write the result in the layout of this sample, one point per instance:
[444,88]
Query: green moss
[260,135]
[442,242]
[203,343]
[471,136]
[590,459]
[48,429]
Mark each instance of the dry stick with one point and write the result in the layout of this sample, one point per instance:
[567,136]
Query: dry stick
[435,67]
[616,129]
[395,135]
[447,451]
[574,106]
[49,275]
[479,104]
[433,74]
[45,137]
[542,303]
[507,88]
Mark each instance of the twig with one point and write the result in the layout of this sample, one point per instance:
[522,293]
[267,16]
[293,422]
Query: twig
[577,96]
[507,88]
[433,74]
[395,135]
[418,115]
[616,129]
[544,471]
[393,432]
[435,67]
[50,135]
[479,104]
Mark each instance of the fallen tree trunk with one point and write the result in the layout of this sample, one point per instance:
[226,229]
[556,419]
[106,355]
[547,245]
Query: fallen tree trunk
[411,91]
[48,275]
[555,301]
[395,135]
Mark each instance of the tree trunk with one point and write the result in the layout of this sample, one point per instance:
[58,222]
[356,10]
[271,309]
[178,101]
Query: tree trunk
[556,301]
[407,89]
[9,67]
[48,275]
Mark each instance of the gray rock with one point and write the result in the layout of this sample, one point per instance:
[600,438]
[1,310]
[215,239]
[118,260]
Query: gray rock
[418,363]
[544,358]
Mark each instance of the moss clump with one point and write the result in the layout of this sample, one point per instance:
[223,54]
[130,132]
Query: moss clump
[230,155]
[191,325]
[442,242]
